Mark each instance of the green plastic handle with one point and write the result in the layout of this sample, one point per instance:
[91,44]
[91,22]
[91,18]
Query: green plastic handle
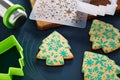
[8,13]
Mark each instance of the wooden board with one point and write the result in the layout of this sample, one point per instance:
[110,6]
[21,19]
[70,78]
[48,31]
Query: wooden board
[46,25]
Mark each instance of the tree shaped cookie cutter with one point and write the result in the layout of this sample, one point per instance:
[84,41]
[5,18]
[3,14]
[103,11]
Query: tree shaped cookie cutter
[5,45]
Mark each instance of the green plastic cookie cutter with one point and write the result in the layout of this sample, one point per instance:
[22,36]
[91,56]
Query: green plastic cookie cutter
[8,13]
[5,45]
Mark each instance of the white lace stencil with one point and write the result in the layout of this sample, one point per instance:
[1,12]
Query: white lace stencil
[59,11]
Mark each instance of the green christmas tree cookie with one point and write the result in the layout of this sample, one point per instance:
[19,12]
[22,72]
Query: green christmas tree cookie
[55,45]
[105,36]
[54,59]
[99,67]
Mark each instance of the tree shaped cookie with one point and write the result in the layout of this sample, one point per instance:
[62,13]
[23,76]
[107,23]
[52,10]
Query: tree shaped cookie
[99,67]
[54,49]
[54,59]
[105,36]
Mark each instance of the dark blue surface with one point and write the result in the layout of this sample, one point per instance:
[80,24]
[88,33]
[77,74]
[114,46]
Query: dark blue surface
[30,38]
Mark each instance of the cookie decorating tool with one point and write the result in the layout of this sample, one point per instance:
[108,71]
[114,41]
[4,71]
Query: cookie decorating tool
[5,45]
[59,12]
[101,10]
[14,15]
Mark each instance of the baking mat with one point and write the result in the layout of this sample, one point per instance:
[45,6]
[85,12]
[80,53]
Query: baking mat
[30,38]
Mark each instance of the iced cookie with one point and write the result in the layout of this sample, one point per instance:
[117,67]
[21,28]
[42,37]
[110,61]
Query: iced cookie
[105,36]
[99,67]
[56,36]
[56,44]
[54,59]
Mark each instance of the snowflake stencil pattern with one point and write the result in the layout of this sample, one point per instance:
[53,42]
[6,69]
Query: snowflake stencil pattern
[59,11]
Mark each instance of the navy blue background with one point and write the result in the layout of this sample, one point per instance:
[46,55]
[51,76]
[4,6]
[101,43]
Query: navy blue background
[30,38]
